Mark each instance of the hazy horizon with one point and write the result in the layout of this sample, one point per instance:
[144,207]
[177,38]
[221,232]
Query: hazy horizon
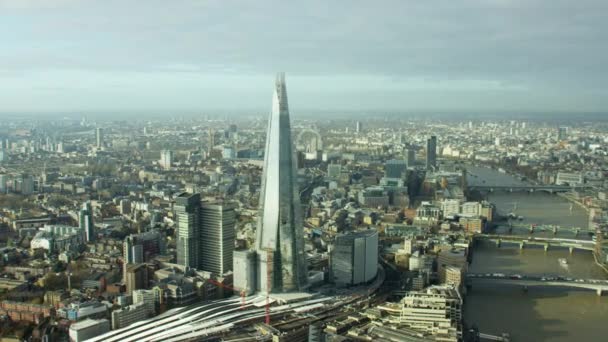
[68,56]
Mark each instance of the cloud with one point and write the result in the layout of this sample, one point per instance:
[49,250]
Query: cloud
[496,45]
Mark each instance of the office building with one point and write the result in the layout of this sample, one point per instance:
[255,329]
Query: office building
[411,157]
[437,311]
[88,328]
[431,153]
[280,235]
[128,315]
[333,171]
[450,207]
[85,219]
[569,178]
[26,185]
[359,127]
[471,208]
[374,197]
[3,183]
[244,273]
[211,136]
[562,133]
[99,137]
[136,277]
[142,247]
[166,159]
[217,237]
[133,253]
[188,214]
[395,169]
[354,257]
[409,245]
[147,298]
[228,152]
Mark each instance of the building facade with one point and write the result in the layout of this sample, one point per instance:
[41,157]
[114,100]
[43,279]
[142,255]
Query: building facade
[431,153]
[217,237]
[187,210]
[86,222]
[355,258]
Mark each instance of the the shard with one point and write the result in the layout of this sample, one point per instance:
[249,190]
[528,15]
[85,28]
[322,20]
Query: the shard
[280,241]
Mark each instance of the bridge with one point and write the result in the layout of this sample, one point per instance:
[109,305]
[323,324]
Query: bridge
[598,285]
[528,187]
[545,242]
[543,227]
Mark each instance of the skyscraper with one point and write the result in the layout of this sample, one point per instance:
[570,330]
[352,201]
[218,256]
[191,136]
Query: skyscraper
[359,127]
[355,257]
[217,237]
[187,210]
[411,157]
[86,222]
[280,241]
[99,137]
[562,133]
[431,153]
[166,159]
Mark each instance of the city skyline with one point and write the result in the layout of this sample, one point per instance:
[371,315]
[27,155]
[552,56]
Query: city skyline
[72,56]
[436,161]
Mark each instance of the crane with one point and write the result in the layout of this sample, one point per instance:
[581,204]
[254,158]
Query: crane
[242,292]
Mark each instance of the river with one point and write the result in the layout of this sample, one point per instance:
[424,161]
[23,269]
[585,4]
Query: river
[540,314]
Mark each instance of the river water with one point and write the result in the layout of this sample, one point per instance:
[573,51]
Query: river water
[541,313]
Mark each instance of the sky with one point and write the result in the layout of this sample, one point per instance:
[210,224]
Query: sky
[397,55]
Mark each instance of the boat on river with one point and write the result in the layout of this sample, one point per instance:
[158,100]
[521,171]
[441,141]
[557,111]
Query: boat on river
[563,262]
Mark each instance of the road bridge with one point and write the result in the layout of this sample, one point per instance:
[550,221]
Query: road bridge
[544,242]
[598,285]
[528,187]
[532,228]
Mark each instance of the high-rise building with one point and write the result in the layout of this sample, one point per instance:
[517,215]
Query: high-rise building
[85,220]
[355,257]
[99,137]
[431,153]
[188,213]
[395,168]
[280,236]
[359,127]
[166,159]
[136,277]
[562,133]
[3,155]
[217,237]
[150,244]
[27,184]
[133,253]
[211,142]
[3,181]
[411,157]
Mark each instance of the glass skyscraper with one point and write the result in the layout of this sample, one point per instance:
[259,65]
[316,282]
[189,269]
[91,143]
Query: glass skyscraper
[280,241]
